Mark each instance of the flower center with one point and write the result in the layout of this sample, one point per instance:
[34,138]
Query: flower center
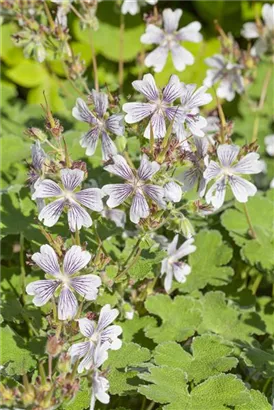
[68,195]
[227,171]
[169,40]
[95,337]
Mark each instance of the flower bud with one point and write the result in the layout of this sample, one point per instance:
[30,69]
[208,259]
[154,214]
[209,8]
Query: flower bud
[186,228]
[54,346]
[36,134]
[64,363]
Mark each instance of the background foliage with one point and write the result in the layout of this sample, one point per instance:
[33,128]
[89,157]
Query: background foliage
[210,345]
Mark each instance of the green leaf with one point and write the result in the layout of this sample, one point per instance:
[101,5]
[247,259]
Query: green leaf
[235,222]
[265,308]
[15,149]
[10,54]
[15,357]
[124,365]
[27,74]
[209,357]
[260,360]
[170,386]
[259,252]
[207,262]
[174,326]
[229,320]
[258,401]
[132,327]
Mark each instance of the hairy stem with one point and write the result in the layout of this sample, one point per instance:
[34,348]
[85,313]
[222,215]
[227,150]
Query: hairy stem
[94,63]
[22,267]
[121,56]
[222,117]
[261,104]
[50,366]
[256,284]
[251,229]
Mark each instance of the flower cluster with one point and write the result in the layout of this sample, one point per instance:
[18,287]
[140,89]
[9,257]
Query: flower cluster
[183,149]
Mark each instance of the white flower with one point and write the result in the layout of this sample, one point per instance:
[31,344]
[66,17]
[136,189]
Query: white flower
[227,171]
[137,186]
[188,114]
[100,125]
[96,334]
[64,278]
[227,74]
[269,145]
[263,33]
[159,107]
[133,6]
[66,197]
[194,175]
[173,191]
[172,267]
[169,39]
[115,215]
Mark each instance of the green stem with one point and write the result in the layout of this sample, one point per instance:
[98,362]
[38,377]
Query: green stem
[124,272]
[261,104]
[94,63]
[77,237]
[74,370]
[251,229]
[222,117]
[256,284]
[42,372]
[54,309]
[22,267]
[121,56]
[67,159]
[150,407]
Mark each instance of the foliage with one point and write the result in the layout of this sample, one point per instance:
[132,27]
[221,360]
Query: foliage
[207,342]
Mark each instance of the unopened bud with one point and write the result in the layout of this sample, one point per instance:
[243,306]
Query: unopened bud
[186,228]
[36,133]
[54,346]
[64,363]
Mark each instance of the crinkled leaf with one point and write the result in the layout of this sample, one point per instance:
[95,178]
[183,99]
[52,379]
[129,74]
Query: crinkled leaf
[207,262]
[16,359]
[210,355]
[229,320]
[124,365]
[180,317]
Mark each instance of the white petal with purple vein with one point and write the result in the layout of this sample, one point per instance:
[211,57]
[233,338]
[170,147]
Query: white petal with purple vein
[101,102]
[173,191]
[241,188]
[71,178]
[42,290]
[52,212]
[89,140]
[137,111]
[120,167]
[78,217]
[118,193]
[139,208]
[67,304]
[47,260]
[106,317]
[227,154]
[109,149]
[147,87]
[115,124]
[91,198]
[75,259]
[82,113]
[173,90]
[86,327]
[147,169]
[156,193]
[249,164]
[47,189]
[86,286]
[190,33]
